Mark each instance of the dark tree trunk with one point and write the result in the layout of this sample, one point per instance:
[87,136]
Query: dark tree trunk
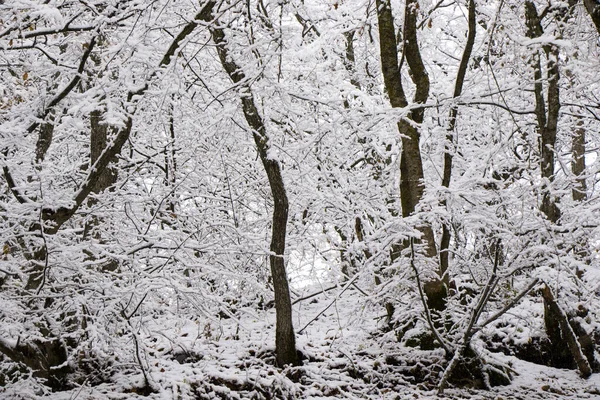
[350,61]
[593,9]
[411,164]
[348,261]
[171,159]
[285,338]
[44,139]
[563,332]
[547,116]
[449,153]
[99,139]
[579,191]
[560,333]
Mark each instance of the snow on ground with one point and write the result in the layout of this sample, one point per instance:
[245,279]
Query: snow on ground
[346,359]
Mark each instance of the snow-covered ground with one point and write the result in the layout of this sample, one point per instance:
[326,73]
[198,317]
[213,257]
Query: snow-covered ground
[347,357]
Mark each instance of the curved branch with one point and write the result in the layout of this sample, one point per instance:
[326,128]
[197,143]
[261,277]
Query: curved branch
[61,215]
[491,103]
[45,112]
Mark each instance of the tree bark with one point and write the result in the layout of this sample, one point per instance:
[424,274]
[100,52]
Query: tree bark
[579,191]
[566,332]
[593,9]
[448,154]
[411,164]
[285,339]
[99,135]
[44,139]
[547,120]
[350,61]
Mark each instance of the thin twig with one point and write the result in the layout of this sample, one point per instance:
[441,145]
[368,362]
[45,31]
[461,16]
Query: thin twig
[508,306]
[330,304]
[310,296]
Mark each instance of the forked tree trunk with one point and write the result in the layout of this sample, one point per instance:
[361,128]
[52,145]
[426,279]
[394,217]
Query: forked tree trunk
[411,164]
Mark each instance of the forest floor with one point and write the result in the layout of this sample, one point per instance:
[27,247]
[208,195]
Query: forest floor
[346,358]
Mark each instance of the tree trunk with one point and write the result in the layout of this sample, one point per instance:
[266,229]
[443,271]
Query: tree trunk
[563,330]
[285,339]
[99,135]
[593,9]
[547,120]
[579,191]
[411,164]
[560,333]
[45,138]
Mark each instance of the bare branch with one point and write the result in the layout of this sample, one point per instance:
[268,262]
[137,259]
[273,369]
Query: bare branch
[507,307]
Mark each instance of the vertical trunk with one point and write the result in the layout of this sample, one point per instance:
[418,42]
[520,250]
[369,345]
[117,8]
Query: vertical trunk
[44,139]
[170,158]
[350,61]
[285,339]
[411,164]
[99,138]
[560,333]
[547,117]
[99,135]
[579,190]
[448,154]
[348,261]
[548,137]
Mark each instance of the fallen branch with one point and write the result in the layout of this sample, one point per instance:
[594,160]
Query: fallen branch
[330,304]
[567,333]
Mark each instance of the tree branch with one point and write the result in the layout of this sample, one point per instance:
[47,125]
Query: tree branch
[507,307]
[59,216]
